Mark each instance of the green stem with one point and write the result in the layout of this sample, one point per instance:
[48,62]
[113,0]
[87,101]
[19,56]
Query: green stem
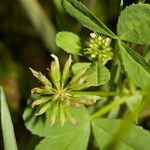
[98,93]
[107,108]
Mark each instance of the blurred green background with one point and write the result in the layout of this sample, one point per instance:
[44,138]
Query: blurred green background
[27,37]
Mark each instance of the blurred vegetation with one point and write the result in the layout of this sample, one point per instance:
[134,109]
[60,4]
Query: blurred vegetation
[27,37]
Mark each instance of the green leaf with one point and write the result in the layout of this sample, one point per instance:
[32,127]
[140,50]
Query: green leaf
[7,126]
[68,41]
[134,24]
[86,18]
[97,74]
[106,131]
[40,125]
[67,139]
[78,66]
[136,67]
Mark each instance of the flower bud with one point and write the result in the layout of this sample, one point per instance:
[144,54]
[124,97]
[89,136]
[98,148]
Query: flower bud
[93,35]
[100,38]
[108,40]
[96,45]
[93,56]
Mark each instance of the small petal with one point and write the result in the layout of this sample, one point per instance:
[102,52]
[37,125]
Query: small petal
[40,101]
[43,109]
[74,82]
[66,70]
[55,71]
[42,90]
[48,89]
[41,77]
[54,115]
[62,115]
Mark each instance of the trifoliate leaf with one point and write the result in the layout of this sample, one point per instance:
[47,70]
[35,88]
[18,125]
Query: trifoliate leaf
[85,17]
[134,24]
[40,125]
[135,65]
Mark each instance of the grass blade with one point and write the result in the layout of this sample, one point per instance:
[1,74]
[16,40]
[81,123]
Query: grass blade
[7,126]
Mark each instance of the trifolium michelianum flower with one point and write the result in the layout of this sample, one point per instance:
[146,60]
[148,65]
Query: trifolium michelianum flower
[56,92]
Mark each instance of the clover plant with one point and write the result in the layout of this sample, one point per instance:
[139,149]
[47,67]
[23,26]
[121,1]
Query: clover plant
[98,101]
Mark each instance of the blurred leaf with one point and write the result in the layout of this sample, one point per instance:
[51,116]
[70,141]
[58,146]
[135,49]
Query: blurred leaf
[134,23]
[105,130]
[40,125]
[60,14]
[68,41]
[86,18]
[7,126]
[138,70]
[41,23]
[58,6]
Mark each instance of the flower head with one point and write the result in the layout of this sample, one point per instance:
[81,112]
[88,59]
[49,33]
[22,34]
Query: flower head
[98,47]
[56,94]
